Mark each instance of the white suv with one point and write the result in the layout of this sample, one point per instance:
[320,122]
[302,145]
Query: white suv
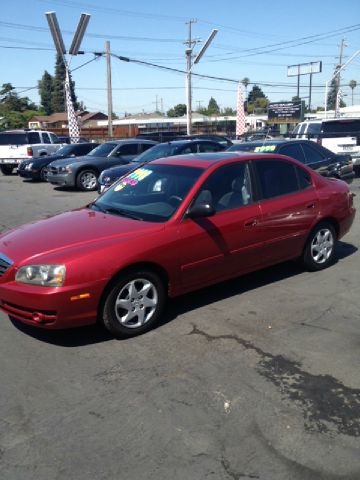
[340,135]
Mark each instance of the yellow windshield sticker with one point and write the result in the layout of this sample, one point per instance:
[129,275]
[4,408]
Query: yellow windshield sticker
[265,148]
[133,178]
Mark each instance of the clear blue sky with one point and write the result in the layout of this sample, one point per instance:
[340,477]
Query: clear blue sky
[255,39]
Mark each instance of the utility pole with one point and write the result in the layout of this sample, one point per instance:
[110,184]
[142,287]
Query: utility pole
[109,91]
[188,53]
[189,64]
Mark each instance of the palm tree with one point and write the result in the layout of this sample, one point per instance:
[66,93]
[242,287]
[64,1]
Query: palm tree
[352,85]
[245,81]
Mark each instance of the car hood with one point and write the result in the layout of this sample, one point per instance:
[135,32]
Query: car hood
[121,170]
[51,239]
[67,161]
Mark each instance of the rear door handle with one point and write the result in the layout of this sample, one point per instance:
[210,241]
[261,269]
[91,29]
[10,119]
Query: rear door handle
[310,205]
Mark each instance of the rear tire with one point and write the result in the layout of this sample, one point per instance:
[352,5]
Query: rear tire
[6,169]
[87,180]
[134,303]
[319,250]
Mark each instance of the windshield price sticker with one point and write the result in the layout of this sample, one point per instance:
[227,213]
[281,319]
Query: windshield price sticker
[265,148]
[134,178]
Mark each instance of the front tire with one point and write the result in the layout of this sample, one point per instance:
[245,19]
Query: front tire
[319,250]
[87,181]
[134,303]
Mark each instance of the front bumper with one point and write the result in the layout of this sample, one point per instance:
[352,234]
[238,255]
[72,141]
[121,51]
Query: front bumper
[51,308]
[29,174]
[64,179]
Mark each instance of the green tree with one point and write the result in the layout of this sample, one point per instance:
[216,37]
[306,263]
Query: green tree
[228,112]
[178,111]
[255,93]
[45,87]
[352,85]
[58,95]
[257,101]
[213,107]
[331,98]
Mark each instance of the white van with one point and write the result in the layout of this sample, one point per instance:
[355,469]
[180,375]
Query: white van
[340,135]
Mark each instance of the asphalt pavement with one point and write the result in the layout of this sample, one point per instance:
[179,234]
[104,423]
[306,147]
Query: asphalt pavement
[255,378]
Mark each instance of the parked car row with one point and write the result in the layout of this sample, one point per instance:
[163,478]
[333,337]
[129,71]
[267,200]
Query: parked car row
[90,166]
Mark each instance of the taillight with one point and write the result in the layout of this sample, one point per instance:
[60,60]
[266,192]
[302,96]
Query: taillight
[30,151]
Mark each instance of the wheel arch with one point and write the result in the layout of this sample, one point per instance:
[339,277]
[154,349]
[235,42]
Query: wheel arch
[150,266]
[87,167]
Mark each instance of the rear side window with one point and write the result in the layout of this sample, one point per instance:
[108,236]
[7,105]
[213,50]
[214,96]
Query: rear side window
[34,137]
[144,147]
[293,151]
[314,128]
[311,154]
[127,149]
[210,147]
[276,177]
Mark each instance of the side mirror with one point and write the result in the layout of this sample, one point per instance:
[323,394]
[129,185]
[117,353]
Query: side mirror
[200,210]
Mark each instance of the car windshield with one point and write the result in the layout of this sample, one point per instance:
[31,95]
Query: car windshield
[152,193]
[159,151]
[66,150]
[102,150]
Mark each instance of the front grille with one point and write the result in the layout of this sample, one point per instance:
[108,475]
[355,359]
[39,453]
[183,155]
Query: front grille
[5,263]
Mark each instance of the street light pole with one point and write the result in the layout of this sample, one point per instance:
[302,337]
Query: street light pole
[335,74]
[109,91]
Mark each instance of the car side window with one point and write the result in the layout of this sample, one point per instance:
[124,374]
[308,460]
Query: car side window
[34,137]
[54,138]
[209,147]
[127,149]
[188,149]
[311,154]
[46,138]
[228,188]
[144,146]
[293,151]
[304,178]
[276,177]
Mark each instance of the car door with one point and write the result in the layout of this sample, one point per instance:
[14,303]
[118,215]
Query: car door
[225,244]
[289,207]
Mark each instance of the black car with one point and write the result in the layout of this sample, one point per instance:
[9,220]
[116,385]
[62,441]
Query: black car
[226,142]
[36,167]
[83,172]
[325,162]
[169,149]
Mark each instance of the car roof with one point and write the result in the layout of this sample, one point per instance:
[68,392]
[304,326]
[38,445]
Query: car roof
[132,140]
[205,160]
[187,141]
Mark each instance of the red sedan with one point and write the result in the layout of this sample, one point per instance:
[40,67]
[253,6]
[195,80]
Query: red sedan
[169,227]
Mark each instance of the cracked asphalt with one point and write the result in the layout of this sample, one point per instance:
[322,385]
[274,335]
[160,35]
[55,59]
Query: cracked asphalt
[255,378]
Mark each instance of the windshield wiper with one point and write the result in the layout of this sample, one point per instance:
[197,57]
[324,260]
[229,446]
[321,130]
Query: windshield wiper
[122,213]
[115,211]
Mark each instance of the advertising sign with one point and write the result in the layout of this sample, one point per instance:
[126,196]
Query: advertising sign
[285,112]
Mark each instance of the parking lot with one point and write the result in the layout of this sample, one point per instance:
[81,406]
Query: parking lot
[255,378]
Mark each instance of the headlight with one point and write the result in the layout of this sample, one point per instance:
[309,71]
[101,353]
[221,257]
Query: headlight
[66,169]
[45,275]
[28,166]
